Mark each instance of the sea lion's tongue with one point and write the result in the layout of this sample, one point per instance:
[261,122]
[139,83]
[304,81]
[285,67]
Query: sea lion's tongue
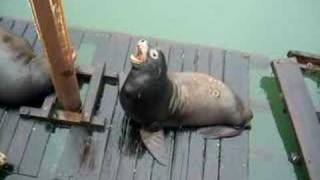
[140,55]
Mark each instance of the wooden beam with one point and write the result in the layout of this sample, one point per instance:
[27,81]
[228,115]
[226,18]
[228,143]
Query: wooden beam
[51,28]
[302,112]
[94,90]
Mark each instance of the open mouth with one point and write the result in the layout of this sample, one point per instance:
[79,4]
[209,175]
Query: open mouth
[140,55]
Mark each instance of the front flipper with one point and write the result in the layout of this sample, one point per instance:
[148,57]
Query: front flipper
[216,132]
[155,144]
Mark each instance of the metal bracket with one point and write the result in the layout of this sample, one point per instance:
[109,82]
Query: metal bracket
[98,77]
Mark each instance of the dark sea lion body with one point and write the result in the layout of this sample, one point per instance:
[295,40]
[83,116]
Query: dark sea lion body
[24,77]
[157,99]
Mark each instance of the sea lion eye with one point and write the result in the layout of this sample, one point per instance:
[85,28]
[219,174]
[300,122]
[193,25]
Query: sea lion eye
[154,54]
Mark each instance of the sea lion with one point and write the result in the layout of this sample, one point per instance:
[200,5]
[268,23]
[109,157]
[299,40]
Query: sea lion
[15,47]
[25,77]
[157,99]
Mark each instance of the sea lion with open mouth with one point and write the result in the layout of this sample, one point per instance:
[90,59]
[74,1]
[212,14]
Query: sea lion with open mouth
[25,77]
[157,99]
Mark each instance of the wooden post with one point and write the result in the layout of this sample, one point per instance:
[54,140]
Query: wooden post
[52,30]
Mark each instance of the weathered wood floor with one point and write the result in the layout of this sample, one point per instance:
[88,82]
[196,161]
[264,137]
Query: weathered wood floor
[79,153]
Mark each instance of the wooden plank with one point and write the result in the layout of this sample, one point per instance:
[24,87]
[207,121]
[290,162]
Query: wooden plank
[30,163]
[90,145]
[107,106]
[302,113]
[10,122]
[86,71]
[211,62]
[102,41]
[66,117]
[196,144]
[31,130]
[74,150]
[59,136]
[216,63]
[3,111]
[36,147]
[53,153]
[21,137]
[144,167]
[112,154]
[42,112]
[108,99]
[7,23]
[99,140]
[180,164]
[30,35]
[48,104]
[19,177]
[118,55]
[235,151]
[8,129]
[19,142]
[128,154]
[94,90]
[212,147]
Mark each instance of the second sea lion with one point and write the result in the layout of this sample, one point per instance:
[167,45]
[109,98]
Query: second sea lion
[24,76]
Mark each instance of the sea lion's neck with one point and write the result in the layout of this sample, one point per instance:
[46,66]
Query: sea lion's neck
[176,102]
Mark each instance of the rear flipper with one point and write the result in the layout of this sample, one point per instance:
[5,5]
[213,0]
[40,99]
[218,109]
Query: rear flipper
[155,144]
[216,132]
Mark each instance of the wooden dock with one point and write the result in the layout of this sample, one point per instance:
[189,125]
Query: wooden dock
[39,151]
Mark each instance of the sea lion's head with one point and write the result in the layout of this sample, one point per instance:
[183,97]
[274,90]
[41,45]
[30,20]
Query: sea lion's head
[146,57]
[147,87]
